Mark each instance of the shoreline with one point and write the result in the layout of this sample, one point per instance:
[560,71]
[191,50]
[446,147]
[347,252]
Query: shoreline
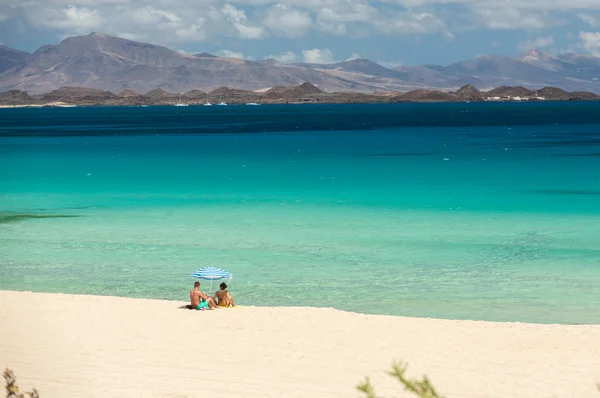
[76,345]
[180,303]
[74,104]
[305,93]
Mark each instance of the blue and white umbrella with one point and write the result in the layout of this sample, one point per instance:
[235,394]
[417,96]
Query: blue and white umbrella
[212,274]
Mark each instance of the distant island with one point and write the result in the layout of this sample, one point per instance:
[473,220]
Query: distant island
[305,93]
[98,69]
[131,68]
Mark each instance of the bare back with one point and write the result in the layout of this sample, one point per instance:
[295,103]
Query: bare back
[223,296]
[195,297]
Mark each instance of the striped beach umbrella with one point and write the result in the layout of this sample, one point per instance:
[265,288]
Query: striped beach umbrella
[212,274]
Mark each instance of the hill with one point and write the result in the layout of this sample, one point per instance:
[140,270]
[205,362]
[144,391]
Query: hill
[79,95]
[469,93]
[114,64]
[10,58]
[111,63]
[303,93]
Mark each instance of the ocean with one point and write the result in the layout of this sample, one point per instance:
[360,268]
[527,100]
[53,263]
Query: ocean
[483,211]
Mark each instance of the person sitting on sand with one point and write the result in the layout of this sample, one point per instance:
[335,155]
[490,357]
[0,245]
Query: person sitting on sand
[223,297]
[200,300]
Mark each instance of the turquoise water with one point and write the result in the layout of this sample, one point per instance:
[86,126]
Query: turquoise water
[461,211]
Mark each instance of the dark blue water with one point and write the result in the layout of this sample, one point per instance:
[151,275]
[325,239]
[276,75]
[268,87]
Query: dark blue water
[88,121]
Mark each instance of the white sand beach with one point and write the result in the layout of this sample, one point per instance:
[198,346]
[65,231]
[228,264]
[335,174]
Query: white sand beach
[76,346]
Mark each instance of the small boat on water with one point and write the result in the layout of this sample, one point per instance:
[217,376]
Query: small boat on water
[222,103]
[252,104]
[179,103]
[208,104]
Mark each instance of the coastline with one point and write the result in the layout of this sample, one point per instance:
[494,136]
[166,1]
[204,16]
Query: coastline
[320,101]
[71,345]
[305,93]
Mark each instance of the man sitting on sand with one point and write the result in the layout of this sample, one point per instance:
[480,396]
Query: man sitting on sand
[223,297]
[200,300]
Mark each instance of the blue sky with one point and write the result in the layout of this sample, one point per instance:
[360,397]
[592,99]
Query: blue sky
[390,32]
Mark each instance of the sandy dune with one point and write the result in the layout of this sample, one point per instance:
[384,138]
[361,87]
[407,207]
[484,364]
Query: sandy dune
[75,346]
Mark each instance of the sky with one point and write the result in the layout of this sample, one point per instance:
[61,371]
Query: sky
[391,32]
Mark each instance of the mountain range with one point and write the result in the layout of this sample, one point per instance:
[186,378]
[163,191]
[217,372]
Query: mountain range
[110,63]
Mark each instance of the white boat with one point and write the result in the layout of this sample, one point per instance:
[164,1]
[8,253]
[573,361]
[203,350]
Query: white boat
[222,103]
[179,103]
[253,103]
[208,104]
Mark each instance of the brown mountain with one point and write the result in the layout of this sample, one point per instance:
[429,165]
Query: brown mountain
[582,96]
[506,91]
[425,95]
[195,95]
[79,95]
[308,88]
[129,93]
[159,94]
[304,93]
[10,58]
[304,90]
[469,93]
[229,92]
[15,97]
[110,63]
[552,93]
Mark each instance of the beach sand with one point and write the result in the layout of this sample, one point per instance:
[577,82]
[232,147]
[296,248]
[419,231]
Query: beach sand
[76,346]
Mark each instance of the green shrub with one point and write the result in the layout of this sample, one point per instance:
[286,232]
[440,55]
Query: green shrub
[421,388]
[12,389]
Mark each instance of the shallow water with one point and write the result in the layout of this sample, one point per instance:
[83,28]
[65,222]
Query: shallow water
[463,211]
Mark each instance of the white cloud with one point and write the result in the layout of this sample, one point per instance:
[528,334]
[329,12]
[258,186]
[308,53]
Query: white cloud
[231,54]
[409,22]
[511,18]
[233,13]
[335,19]
[176,23]
[287,21]
[573,5]
[166,22]
[70,18]
[250,32]
[239,19]
[151,15]
[194,32]
[318,56]
[390,64]
[590,41]
[540,42]
[284,58]
[591,20]
[354,56]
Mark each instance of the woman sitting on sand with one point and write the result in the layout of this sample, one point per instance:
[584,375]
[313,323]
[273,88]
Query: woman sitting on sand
[223,297]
